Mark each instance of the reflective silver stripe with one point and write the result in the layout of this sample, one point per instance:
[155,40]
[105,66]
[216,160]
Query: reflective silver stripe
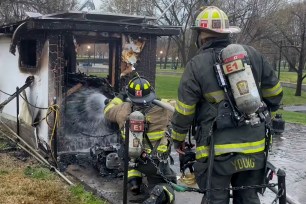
[274,91]
[153,136]
[215,97]
[184,109]
[178,136]
[247,148]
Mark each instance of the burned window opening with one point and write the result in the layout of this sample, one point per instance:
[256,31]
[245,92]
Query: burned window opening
[28,54]
[93,58]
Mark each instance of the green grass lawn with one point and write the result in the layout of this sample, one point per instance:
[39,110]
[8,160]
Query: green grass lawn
[166,87]
[290,99]
[289,77]
[293,117]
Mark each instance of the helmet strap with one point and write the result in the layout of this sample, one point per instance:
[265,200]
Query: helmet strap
[197,43]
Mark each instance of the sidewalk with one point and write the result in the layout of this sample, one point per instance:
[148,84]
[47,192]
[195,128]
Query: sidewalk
[300,109]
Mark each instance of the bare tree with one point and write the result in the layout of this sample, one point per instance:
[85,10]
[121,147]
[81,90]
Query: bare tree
[131,7]
[14,10]
[179,14]
[290,30]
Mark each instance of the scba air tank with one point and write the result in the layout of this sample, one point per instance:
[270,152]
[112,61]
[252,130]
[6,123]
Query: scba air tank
[237,68]
[136,132]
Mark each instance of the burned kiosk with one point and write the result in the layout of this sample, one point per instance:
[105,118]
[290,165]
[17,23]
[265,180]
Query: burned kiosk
[51,111]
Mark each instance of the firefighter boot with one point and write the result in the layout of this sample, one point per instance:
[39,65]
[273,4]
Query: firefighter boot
[157,196]
[135,184]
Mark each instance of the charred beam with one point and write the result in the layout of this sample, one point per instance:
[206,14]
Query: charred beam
[99,26]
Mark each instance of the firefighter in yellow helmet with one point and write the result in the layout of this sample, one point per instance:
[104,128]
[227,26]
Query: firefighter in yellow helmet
[155,144]
[228,91]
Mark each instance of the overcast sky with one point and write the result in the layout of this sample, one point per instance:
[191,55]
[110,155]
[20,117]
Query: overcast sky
[96,2]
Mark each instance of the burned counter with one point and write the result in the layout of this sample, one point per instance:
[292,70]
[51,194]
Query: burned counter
[77,59]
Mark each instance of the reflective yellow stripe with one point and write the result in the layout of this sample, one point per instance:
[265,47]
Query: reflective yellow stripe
[215,97]
[134,173]
[145,86]
[153,136]
[184,109]
[215,15]
[171,197]
[246,148]
[132,85]
[178,136]
[107,108]
[274,91]
[148,150]
[137,87]
[115,101]
[162,148]
[123,134]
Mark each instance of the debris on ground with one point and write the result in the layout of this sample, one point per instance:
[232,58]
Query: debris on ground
[24,181]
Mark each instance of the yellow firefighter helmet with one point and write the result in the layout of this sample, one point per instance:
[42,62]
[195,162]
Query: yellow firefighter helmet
[214,19]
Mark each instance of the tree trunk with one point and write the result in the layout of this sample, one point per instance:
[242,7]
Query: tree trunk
[183,54]
[301,65]
[167,52]
[292,66]
[298,91]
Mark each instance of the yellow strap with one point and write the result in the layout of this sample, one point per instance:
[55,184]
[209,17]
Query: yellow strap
[274,91]
[178,136]
[184,109]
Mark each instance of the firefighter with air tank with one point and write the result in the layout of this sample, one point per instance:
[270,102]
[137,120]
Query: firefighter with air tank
[149,143]
[229,90]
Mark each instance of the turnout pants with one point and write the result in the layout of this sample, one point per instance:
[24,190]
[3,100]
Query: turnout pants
[243,178]
[154,178]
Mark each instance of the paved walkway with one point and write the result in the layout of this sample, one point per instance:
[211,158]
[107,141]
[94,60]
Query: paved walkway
[301,109]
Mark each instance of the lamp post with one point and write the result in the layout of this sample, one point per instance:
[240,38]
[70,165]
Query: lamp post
[160,58]
[176,62]
[88,49]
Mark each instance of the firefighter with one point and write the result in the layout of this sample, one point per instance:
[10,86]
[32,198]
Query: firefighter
[156,143]
[238,153]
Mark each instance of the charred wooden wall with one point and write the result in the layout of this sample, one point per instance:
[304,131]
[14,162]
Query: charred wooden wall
[147,60]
